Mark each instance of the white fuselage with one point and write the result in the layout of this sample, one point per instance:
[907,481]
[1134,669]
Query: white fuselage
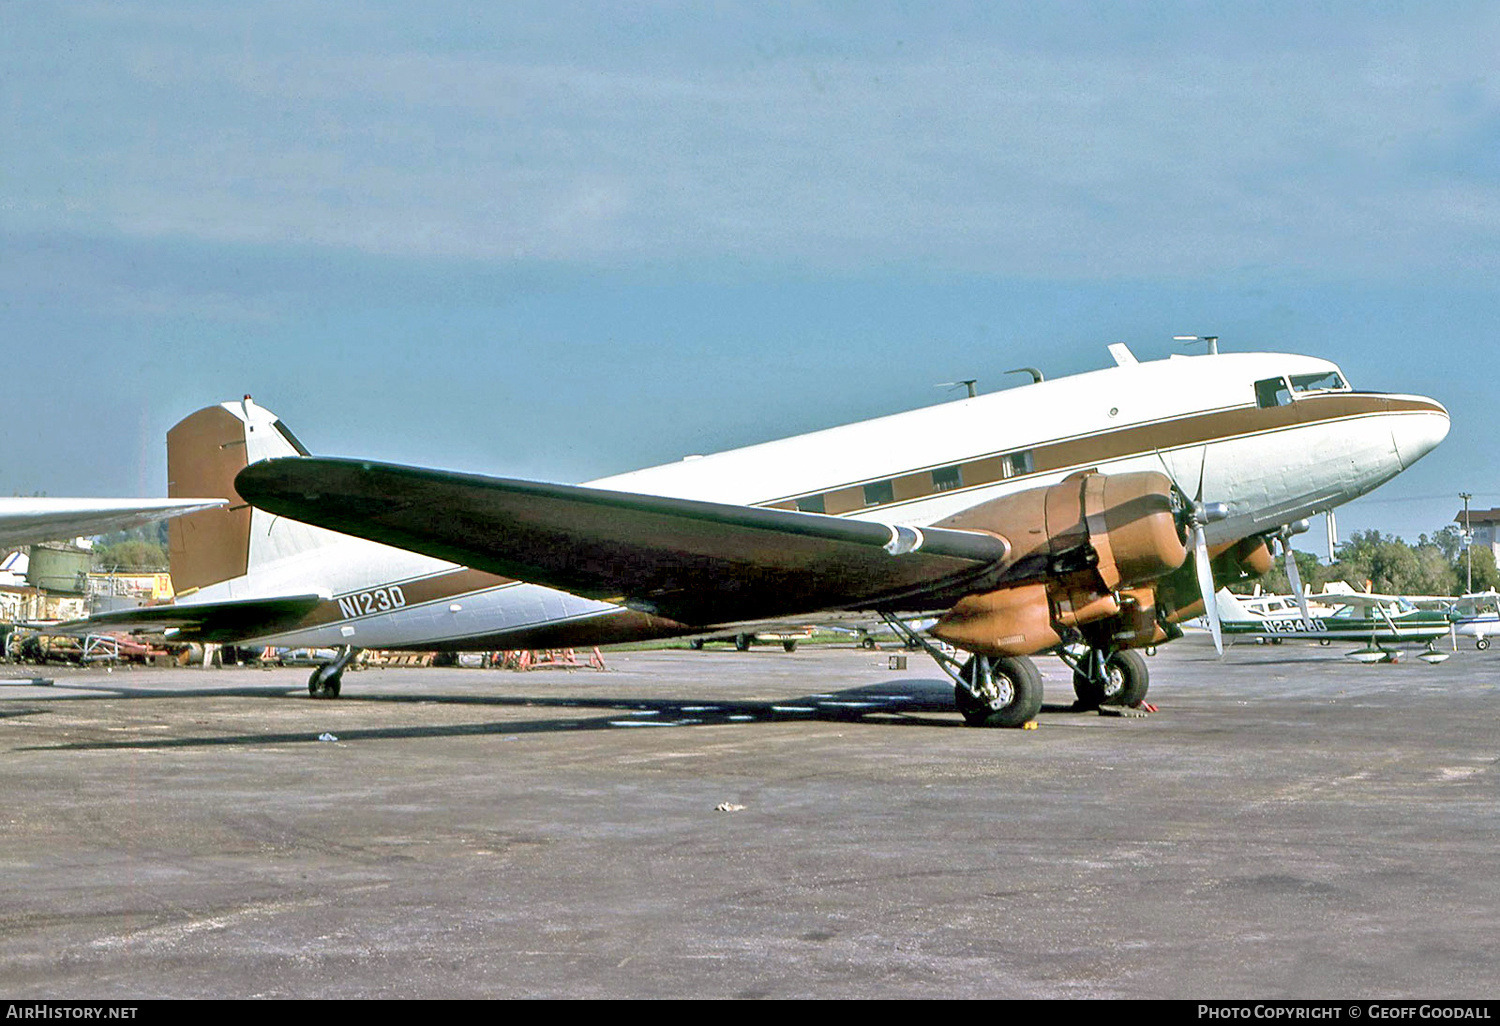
[1273,456]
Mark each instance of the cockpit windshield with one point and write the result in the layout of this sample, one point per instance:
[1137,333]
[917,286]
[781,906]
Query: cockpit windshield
[1325,381]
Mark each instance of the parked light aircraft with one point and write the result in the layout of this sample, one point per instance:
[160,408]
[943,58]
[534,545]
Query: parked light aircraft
[1378,620]
[1478,616]
[1475,615]
[1084,515]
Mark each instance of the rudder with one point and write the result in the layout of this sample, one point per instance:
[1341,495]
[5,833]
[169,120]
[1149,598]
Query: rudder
[205,451]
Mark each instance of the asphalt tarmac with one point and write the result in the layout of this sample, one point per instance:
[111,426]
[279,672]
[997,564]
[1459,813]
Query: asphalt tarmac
[1288,825]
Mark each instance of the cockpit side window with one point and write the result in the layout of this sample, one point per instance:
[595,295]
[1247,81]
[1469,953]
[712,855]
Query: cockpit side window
[1325,381]
[1272,392]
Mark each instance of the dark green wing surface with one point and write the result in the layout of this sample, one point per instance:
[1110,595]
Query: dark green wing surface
[695,562]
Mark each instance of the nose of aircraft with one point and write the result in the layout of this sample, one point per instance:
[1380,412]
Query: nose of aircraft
[1417,433]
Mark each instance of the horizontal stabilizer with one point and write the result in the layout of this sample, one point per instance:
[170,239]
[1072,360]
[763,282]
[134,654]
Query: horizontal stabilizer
[202,621]
[695,562]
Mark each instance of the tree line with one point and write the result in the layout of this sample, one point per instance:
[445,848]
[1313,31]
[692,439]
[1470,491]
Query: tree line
[1435,565]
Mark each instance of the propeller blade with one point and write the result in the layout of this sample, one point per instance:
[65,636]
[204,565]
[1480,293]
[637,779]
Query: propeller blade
[1294,575]
[1206,586]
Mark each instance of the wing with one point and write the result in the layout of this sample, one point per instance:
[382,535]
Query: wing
[694,562]
[23,521]
[202,621]
[1356,600]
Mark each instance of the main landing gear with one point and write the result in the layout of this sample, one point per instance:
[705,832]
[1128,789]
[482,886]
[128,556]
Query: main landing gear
[998,692]
[1107,678]
[326,679]
[989,691]
[1006,691]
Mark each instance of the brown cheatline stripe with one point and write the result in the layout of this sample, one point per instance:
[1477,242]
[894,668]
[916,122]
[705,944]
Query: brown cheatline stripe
[416,592]
[1102,447]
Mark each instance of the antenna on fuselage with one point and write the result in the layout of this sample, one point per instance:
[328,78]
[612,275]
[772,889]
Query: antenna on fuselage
[1036,375]
[972,384]
[1212,340]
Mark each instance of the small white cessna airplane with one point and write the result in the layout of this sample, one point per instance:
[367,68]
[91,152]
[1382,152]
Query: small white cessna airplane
[1378,620]
[1052,517]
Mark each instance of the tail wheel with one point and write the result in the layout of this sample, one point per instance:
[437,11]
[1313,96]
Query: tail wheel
[1005,692]
[1126,680]
[328,687]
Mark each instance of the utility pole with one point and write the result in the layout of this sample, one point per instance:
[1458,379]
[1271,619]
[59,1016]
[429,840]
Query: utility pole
[1468,542]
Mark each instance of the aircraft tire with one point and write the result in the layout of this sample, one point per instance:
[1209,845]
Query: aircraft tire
[789,646]
[867,643]
[1481,643]
[1137,677]
[696,644]
[1019,699]
[1129,679]
[742,642]
[324,689]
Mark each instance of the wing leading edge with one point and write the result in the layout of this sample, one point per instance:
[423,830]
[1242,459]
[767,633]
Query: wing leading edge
[694,562]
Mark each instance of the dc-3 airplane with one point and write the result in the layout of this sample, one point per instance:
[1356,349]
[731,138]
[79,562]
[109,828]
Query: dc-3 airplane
[1085,516]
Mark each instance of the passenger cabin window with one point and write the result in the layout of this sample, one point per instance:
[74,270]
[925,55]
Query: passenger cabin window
[1017,463]
[812,504]
[948,478]
[1272,392]
[1327,381]
[879,493]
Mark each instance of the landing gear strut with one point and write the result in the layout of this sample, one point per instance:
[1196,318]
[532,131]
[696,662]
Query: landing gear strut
[990,691]
[326,679]
[1108,678]
[998,692]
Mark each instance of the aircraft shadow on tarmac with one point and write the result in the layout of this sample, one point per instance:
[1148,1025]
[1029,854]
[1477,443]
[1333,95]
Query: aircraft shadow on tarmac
[909,703]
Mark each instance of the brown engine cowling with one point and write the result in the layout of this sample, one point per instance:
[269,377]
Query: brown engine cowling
[1178,594]
[1085,554]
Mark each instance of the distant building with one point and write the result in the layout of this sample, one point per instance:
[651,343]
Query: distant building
[1485,523]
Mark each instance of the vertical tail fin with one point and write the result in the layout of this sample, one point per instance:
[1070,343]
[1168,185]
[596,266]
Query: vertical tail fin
[204,453]
[1230,609]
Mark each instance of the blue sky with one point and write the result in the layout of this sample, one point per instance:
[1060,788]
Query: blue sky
[563,240]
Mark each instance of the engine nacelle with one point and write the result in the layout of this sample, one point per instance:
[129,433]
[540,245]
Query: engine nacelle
[1076,546]
[1178,594]
[1121,526]
[1010,621]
